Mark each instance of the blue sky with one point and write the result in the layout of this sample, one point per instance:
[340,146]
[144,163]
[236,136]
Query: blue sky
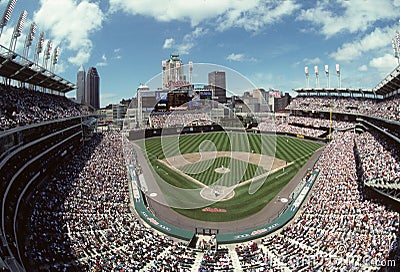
[269,42]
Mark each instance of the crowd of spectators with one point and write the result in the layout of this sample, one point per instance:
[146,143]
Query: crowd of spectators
[293,129]
[179,119]
[216,260]
[312,132]
[338,227]
[82,218]
[388,108]
[252,257]
[21,106]
[318,122]
[379,158]
[179,258]
[307,126]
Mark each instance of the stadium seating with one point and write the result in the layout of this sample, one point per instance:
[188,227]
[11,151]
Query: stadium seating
[81,217]
[20,106]
[388,108]
[179,119]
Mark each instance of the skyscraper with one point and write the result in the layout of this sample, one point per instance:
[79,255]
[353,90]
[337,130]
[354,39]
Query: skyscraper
[92,88]
[80,83]
[217,83]
[173,72]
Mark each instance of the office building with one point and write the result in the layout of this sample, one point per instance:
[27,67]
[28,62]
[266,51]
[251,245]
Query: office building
[217,82]
[92,88]
[80,84]
[173,75]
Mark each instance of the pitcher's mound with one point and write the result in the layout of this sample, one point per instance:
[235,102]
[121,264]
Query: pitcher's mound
[217,192]
[222,170]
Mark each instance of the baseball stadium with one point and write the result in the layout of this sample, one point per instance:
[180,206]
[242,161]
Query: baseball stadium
[195,177]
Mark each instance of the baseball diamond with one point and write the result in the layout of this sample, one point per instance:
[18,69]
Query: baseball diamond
[212,168]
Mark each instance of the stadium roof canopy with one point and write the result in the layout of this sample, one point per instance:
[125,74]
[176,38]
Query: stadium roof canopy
[389,84]
[16,67]
[337,92]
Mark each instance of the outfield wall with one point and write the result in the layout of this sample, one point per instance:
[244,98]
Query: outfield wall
[135,135]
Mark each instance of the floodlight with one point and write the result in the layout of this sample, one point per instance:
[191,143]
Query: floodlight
[54,61]
[47,53]
[316,76]
[18,29]
[39,47]
[29,38]
[7,13]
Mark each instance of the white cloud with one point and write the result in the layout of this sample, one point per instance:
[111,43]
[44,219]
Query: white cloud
[188,41]
[255,15]
[103,61]
[384,64]
[168,43]
[70,25]
[194,11]
[363,68]
[60,68]
[379,38]
[312,61]
[251,15]
[235,57]
[357,15]
[117,53]
[82,56]
[240,57]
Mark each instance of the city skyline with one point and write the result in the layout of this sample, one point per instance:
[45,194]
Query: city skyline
[268,42]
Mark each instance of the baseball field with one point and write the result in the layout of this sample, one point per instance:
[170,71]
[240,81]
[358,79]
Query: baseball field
[238,173]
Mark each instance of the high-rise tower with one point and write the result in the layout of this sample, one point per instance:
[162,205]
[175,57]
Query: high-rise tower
[173,73]
[80,83]
[92,88]
[217,82]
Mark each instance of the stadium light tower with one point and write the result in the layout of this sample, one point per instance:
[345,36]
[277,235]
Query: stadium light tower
[327,76]
[47,53]
[18,30]
[307,77]
[28,40]
[164,67]
[54,59]
[338,74]
[395,50]
[190,71]
[176,70]
[396,46]
[316,76]
[39,48]
[7,14]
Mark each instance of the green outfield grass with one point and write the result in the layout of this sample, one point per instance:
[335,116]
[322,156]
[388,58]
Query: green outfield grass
[240,171]
[292,150]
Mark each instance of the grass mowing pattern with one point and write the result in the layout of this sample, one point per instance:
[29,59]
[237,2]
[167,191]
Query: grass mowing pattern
[239,171]
[242,204]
